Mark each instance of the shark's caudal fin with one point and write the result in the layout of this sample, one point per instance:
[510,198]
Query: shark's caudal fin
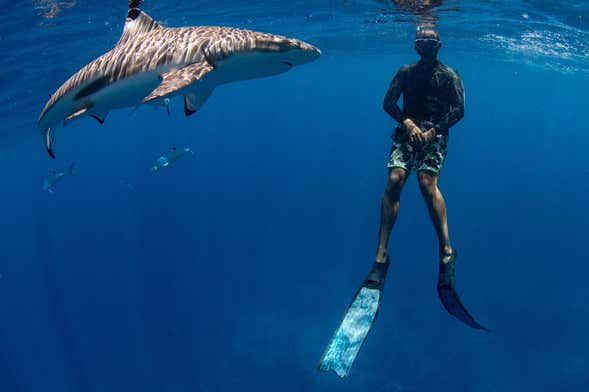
[48,137]
[138,22]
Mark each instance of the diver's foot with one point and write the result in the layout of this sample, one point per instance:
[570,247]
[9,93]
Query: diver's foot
[447,269]
[377,275]
[382,259]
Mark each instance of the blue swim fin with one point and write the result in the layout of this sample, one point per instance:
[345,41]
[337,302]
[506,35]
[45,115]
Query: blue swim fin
[357,322]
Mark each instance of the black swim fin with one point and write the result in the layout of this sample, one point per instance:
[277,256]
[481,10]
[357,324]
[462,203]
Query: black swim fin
[449,296]
[356,323]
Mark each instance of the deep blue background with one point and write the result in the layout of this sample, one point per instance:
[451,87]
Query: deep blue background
[230,271]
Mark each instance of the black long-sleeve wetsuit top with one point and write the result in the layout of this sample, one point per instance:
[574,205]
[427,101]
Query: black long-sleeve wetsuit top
[433,96]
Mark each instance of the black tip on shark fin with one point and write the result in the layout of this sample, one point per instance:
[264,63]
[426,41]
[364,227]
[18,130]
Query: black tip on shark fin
[138,22]
[133,13]
[135,3]
[48,138]
[191,104]
[98,118]
[188,108]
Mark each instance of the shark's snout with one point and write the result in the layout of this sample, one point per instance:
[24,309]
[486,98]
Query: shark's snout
[303,53]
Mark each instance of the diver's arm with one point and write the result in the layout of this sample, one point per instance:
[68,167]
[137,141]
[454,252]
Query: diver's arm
[393,94]
[456,111]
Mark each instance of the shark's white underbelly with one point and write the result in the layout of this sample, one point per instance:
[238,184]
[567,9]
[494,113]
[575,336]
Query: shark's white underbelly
[246,66]
[125,93]
[122,93]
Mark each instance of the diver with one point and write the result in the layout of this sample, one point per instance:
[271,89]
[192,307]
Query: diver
[57,176]
[167,160]
[433,101]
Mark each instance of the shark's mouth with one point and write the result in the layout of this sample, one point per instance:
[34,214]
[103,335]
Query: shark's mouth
[287,63]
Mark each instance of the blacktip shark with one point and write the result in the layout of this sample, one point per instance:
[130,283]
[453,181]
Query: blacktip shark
[57,176]
[151,63]
[168,160]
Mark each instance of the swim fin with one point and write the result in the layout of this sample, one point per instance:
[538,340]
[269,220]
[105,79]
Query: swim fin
[449,296]
[356,323]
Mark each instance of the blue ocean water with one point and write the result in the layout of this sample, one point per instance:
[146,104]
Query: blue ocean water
[230,271]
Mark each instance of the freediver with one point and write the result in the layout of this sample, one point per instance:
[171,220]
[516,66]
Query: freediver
[433,101]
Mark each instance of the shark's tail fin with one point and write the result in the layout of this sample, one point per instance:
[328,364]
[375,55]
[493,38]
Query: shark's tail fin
[72,169]
[49,138]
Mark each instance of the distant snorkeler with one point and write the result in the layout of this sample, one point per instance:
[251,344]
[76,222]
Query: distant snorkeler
[57,176]
[50,9]
[423,9]
[433,101]
[169,159]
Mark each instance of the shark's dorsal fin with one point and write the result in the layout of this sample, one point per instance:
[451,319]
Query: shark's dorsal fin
[138,22]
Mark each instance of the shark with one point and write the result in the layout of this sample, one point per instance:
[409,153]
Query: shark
[168,160]
[57,176]
[151,63]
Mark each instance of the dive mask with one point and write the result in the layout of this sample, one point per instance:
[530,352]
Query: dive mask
[426,45]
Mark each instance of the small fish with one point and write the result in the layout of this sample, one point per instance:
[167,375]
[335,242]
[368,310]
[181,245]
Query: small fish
[126,185]
[57,176]
[169,159]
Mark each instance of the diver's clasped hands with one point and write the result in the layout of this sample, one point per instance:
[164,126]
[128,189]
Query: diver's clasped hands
[416,137]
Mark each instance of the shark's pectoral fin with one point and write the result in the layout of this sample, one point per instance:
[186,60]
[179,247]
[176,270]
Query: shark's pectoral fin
[178,79]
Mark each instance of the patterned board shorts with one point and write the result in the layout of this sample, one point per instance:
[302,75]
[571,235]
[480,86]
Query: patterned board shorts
[429,158]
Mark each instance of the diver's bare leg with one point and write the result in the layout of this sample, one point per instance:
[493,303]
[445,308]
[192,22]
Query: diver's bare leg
[428,184]
[389,210]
